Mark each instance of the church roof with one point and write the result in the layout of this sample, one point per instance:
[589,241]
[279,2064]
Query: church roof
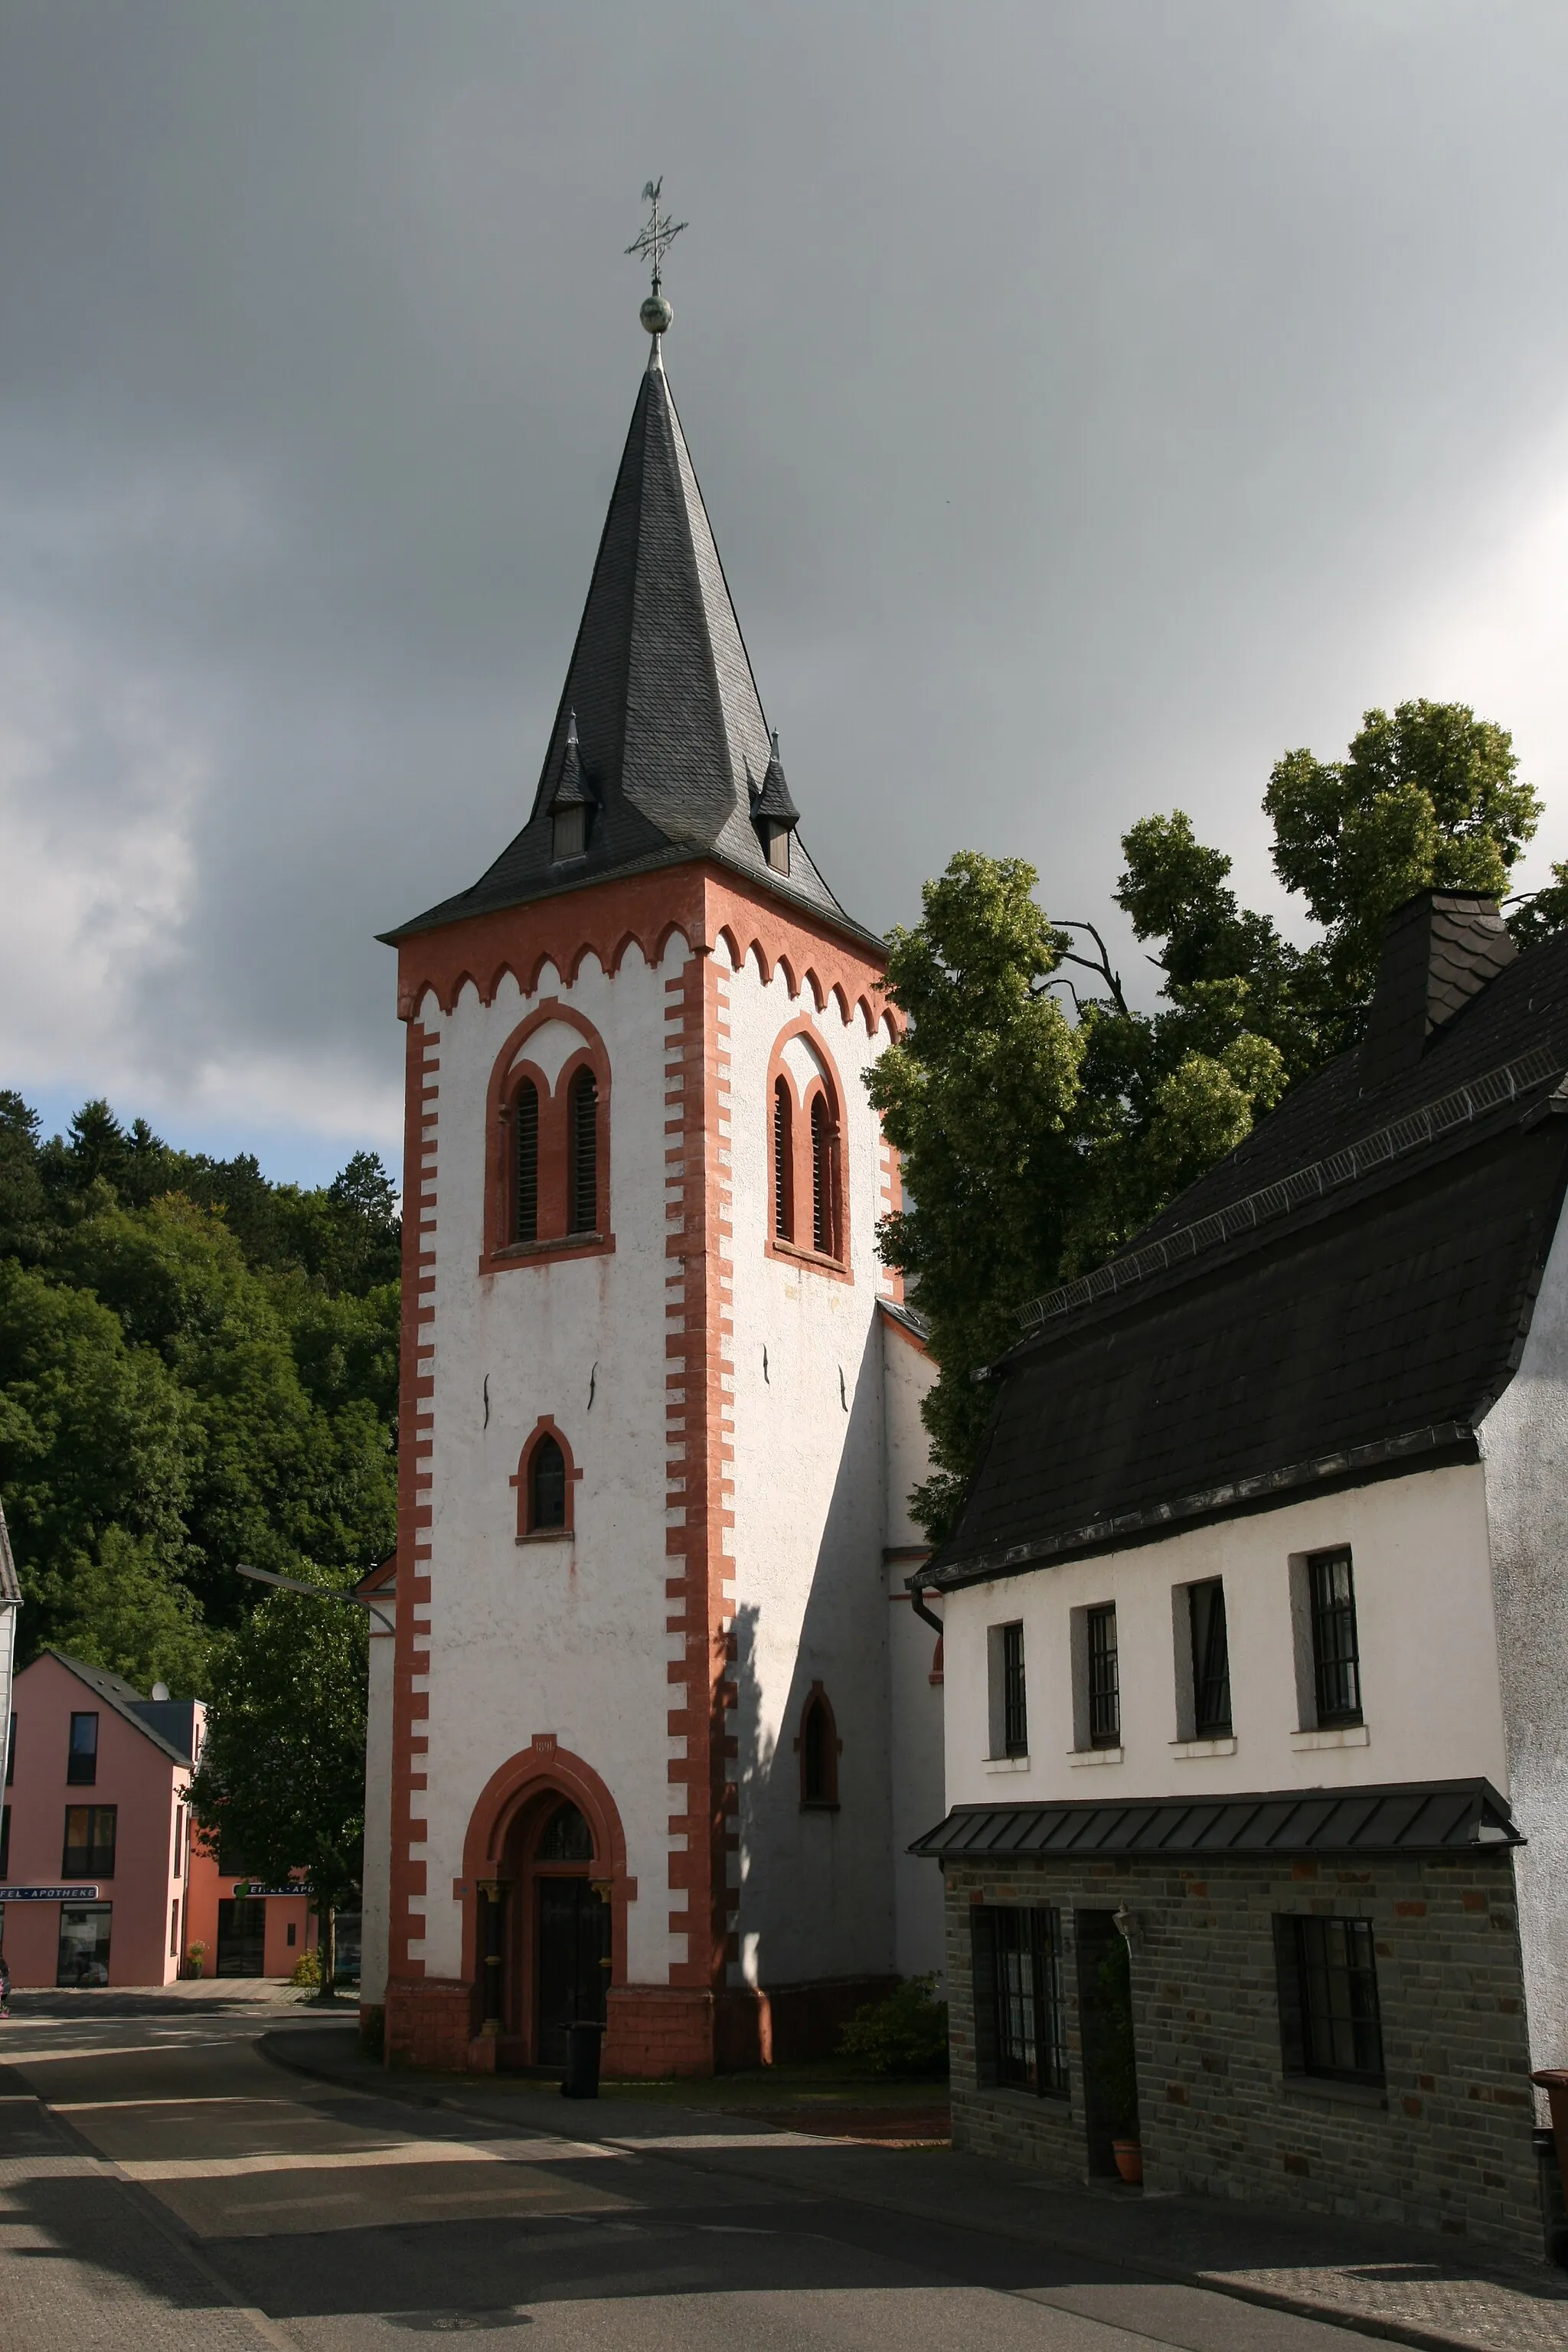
[671,747]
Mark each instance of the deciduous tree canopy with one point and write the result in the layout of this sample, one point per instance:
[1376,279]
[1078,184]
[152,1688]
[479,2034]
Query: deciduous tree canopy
[196,1367]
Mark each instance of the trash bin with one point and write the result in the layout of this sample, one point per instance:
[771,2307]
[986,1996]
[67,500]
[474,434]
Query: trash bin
[1554,2081]
[582,2046]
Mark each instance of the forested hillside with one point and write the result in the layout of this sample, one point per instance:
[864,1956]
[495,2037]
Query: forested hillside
[196,1367]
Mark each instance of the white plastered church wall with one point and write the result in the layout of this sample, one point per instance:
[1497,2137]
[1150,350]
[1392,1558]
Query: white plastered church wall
[815,1888]
[566,1637]
[918,1789]
[1524,1440]
[1430,1685]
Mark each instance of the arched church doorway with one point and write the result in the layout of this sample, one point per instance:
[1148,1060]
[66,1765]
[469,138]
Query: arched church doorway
[562,1927]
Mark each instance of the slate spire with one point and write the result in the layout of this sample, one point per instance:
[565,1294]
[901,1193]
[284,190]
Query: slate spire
[660,710]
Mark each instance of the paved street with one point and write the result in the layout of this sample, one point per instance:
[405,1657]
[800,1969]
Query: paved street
[164,2184]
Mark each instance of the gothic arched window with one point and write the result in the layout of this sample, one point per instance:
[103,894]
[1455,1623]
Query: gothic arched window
[525,1163]
[783,1156]
[583,1151]
[822,1201]
[546,1487]
[819,1745]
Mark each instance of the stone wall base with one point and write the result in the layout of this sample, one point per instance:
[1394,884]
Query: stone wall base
[430,2022]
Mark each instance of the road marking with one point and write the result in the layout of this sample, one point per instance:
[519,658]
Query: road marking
[402,2152]
[195,2099]
[677,2140]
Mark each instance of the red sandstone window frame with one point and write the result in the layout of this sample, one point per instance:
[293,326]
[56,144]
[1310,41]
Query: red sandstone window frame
[546,1426]
[824,1797]
[823,1087]
[512,1067]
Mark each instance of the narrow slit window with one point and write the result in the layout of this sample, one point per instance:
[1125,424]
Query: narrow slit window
[1336,1645]
[818,1754]
[546,1487]
[1104,1679]
[82,1764]
[584,1145]
[1211,1661]
[784,1220]
[821,1179]
[525,1168]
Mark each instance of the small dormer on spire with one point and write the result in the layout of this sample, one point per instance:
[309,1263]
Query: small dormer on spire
[572,806]
[774,814]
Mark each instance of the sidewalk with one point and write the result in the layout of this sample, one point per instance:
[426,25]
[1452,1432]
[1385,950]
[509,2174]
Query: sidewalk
[1381,2281]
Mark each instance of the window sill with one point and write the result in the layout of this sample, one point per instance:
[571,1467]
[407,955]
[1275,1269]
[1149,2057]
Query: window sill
[1011,2094]
[509,1250]
[1340,1735]
[547,1535]
[817,1260]
[819,1805]
[1095,1755]
[1226,1747]
[1006,1763]
[1347,2094]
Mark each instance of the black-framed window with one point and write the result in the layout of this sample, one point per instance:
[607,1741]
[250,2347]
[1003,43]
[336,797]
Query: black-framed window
[583,1104]
[4,1841]
[525,1163]
[1336,1647]
[1015,1693]
[1018,1998]
[1329,2020]
[1104,1677]
[81,1760]
[89,1842]
[546,1486]
[11,1751]
[1211,1660]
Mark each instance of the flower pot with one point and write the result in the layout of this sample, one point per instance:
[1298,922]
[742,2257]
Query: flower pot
[1129,2155]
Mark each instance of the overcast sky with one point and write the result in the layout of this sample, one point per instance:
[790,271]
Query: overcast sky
[1091,401]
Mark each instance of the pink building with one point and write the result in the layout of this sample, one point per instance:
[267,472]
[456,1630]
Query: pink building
[100,1880]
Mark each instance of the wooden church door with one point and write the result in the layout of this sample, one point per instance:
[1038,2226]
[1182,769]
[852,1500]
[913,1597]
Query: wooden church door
[572,1935]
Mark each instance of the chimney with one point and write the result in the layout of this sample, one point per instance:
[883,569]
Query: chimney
[1441,948]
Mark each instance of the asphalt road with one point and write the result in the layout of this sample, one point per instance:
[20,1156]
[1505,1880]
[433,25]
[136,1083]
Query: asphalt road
[164,2184]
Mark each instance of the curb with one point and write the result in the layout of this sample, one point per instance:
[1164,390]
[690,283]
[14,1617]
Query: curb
[1387,2331]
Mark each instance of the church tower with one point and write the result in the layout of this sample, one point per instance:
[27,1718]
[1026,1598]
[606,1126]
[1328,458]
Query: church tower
[657,1723]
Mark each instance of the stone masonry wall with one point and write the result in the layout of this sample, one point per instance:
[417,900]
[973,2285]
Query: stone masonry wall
[1447,2146]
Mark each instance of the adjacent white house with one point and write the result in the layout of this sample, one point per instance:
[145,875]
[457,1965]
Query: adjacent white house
[658,1721]
[1255,1629]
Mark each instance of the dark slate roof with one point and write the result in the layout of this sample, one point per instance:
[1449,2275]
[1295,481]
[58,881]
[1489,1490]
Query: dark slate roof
[169,1724]
[1412,1817]
[672,739]
[1353,1331]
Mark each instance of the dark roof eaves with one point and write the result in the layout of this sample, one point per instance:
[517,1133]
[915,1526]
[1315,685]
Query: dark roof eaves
[1412,1451]
[462,909]
[98,1680]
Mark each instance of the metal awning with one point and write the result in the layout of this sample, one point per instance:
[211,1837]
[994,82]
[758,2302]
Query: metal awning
[1414,1817]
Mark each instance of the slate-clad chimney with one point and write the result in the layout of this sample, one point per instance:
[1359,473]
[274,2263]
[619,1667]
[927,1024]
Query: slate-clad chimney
[1440,948]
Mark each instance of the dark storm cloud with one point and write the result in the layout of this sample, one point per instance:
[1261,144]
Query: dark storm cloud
[1091,403]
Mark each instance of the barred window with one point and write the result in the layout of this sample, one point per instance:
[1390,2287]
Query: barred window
[525,1168]
[1104,1679]
[1336,1648]
[1211,1660]
[784,1145]
[1018,1998]
[584,1146]
[1329,2019]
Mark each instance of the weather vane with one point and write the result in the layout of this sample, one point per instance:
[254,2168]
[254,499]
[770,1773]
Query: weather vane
[652,245]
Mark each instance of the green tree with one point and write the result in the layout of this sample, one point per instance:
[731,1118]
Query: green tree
[977,1098]
[282,1768]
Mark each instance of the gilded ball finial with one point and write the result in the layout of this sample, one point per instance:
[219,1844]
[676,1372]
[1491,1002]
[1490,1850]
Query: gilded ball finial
[656,314]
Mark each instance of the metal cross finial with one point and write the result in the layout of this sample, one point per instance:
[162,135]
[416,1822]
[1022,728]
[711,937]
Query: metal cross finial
[659,234]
